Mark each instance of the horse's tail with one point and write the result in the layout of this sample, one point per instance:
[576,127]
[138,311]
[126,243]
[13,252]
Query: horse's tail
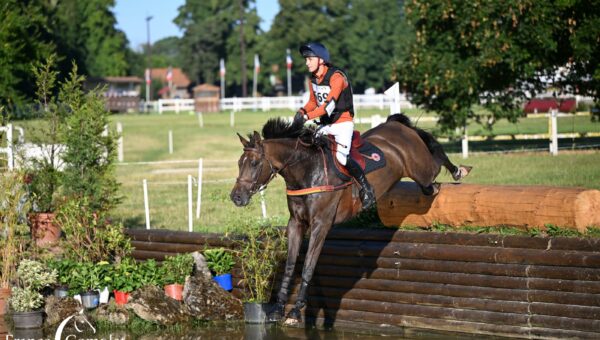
[432,144]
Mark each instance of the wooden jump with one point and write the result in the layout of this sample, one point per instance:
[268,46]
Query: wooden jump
[477,283]
[491,205]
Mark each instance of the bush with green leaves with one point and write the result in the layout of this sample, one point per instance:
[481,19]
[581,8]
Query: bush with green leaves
[89,276]
[64,269]
[176,268]
[260,253]
[32,277]
[125,275]
[219,260]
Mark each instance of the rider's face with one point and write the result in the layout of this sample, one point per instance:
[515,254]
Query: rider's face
[312,63]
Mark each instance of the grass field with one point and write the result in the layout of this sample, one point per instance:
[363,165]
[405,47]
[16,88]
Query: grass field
[146,140]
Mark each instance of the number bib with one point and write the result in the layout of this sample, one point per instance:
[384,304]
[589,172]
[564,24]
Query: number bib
[321,93]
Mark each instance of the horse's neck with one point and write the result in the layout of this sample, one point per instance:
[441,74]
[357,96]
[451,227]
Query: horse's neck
[295,161]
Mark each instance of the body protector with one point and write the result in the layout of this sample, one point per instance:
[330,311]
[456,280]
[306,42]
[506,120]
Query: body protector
[336,106]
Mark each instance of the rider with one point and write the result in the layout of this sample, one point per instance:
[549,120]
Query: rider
[331,102]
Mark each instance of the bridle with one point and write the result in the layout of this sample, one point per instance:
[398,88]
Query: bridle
[254,185]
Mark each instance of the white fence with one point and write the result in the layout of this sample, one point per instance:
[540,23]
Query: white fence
[380,101]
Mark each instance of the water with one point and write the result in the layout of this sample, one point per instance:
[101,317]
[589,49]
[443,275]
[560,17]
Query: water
[235,330]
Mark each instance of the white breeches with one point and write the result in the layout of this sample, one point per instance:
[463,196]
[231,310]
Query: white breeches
[342,132]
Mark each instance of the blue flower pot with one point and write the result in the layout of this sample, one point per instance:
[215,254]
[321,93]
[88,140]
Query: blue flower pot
[224,281]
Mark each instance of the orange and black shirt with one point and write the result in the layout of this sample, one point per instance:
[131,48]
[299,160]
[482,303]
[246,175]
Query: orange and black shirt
[330,97]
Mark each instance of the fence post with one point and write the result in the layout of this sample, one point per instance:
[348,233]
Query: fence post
[146,203]
[465,143]
[553,132]
[120,142]
[170,141]
[199,202]
[200,120]
[232,119]
[190,208]
[263,204]
[10,156]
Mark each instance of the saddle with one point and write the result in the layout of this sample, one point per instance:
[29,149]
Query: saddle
[367,155]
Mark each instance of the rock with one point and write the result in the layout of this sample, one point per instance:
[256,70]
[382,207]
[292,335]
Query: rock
[112,313]
[201,266]
[58,309]
[204,299]
[151,304]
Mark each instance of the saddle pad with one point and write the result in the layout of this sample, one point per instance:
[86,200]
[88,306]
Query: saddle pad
[368,156]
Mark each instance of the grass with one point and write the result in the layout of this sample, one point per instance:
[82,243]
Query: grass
[146,140]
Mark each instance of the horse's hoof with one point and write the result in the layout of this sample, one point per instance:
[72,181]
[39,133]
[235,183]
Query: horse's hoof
[291,322]
[462,172]
[436,188]
[275,314]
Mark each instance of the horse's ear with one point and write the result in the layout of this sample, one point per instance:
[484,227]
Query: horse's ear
[256,138]
[243,140]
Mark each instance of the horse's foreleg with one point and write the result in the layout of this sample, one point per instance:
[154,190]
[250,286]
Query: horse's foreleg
[295,233]
[317,239]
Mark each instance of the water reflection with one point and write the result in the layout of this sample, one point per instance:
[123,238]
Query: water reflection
[236,330]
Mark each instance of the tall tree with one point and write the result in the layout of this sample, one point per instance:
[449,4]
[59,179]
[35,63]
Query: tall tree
[493,53]
[25,40]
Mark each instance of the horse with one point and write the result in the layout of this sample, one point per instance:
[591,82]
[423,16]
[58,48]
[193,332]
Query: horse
[294,153]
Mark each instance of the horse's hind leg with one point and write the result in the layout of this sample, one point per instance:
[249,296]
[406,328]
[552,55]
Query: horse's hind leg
[441,158]
[431,189]
[295,232]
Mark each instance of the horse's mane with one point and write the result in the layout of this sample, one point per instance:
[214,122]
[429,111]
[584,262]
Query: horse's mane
[277,128]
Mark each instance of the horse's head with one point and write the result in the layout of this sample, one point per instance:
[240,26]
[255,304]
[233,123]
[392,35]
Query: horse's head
[255,171]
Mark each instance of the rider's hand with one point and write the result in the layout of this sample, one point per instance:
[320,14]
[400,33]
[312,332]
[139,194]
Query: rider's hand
[299,118]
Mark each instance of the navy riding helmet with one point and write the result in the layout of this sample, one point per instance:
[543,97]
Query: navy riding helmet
[315,49]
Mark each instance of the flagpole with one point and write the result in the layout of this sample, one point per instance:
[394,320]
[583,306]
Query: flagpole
[289,72]
[255,75]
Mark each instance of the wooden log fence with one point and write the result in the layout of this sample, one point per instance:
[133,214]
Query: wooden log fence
[479,283]
[491,205]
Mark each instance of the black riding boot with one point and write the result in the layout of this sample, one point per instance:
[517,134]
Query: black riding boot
[367,196]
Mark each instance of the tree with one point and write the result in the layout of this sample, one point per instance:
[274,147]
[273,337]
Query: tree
[494,53]
[25,40]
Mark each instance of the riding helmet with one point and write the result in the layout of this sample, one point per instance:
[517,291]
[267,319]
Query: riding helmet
[315,49]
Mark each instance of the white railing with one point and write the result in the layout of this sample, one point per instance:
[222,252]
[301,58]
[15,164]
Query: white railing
[175,105]
[380,101]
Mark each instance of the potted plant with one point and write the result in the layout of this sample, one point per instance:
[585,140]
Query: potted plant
[124,279]
[26,300]
[220,262]
[174,270]
[86,281]
[64,269]
[260,254]
[11,230]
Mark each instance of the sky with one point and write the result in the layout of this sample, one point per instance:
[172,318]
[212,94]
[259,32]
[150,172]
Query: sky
[131,18]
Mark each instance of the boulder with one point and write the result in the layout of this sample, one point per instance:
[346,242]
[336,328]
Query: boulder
[201,266]
[204,299]
[151,304]
[112,313]
[58,309]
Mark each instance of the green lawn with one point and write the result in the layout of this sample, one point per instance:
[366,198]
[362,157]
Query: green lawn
[146,139]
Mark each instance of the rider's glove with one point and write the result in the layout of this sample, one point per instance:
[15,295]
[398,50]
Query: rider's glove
[300,117]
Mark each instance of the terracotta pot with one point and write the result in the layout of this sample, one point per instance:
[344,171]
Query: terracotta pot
[43,229]
[174,291]
[121,298]
[4,295]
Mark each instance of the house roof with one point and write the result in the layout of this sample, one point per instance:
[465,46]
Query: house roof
[179,78]
[128,79]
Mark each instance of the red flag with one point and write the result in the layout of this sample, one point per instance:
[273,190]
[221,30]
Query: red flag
[222,67]
[147,74]
[288,60]
[256,63]
[170,74]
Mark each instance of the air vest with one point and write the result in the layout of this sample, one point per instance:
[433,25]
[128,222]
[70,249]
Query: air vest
[342,104]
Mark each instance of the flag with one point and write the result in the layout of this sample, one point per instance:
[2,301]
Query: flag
[288,60]
[256,63]
[147,74]
[169,73]
[222,67]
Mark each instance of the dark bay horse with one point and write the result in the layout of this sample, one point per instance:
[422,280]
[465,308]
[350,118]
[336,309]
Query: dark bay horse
[290,151]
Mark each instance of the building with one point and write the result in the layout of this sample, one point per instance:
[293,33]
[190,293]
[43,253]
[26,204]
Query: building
[179,83]
[122,94]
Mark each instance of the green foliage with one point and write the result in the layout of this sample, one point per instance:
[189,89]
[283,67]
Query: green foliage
[219,260]
[90,153]
[89,276]
[176,268]
[12,211]
[32,277]
[260,254]
[149,273]
[63,269]
[493,53]
[88,234]
[125,278]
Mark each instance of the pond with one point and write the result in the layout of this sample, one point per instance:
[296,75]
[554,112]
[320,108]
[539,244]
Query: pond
[237,330]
